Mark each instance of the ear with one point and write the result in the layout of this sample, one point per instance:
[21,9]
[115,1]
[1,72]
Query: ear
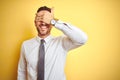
[35,14]
[35,23]
[35,18]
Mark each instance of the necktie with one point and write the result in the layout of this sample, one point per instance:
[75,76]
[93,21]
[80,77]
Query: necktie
[40,74]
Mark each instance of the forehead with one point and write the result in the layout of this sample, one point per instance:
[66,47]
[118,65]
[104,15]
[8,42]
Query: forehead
[42,12]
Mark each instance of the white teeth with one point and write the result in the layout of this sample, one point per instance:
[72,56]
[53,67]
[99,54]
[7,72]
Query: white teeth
[43,27]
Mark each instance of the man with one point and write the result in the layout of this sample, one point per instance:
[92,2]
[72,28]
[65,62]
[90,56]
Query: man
[51,66]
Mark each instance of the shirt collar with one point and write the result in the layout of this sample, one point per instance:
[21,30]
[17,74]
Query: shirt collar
[47,39]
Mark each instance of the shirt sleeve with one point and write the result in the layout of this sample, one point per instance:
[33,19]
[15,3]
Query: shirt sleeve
[22,66]
[74,38]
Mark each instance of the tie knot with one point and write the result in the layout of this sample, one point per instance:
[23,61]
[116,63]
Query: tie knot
[42,41]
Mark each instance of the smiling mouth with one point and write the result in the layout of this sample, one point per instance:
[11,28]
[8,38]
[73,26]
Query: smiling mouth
[44,25]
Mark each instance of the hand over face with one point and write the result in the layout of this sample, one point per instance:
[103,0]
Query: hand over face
[44,16]
[47,17]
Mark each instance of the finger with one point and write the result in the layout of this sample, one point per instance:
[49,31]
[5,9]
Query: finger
[52,10]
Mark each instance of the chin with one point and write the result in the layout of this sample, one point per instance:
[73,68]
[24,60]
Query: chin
[44,34]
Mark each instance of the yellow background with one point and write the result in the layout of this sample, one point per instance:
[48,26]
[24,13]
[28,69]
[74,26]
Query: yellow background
[98,59]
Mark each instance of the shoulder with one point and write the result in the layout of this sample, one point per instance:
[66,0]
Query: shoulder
[29,42]
[59,38]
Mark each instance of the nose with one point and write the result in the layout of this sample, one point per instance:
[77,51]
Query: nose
[42,23]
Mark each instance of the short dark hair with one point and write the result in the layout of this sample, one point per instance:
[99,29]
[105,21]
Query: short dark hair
[44,8]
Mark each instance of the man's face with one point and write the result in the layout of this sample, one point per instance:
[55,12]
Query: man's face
[42,27]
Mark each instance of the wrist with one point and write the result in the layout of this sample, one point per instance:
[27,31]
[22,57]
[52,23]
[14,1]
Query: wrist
[53,21]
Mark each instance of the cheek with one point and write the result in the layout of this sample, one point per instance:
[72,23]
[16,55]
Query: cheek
[37,24]
[49,28]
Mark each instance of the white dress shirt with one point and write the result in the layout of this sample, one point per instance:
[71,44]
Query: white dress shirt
[56,49]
